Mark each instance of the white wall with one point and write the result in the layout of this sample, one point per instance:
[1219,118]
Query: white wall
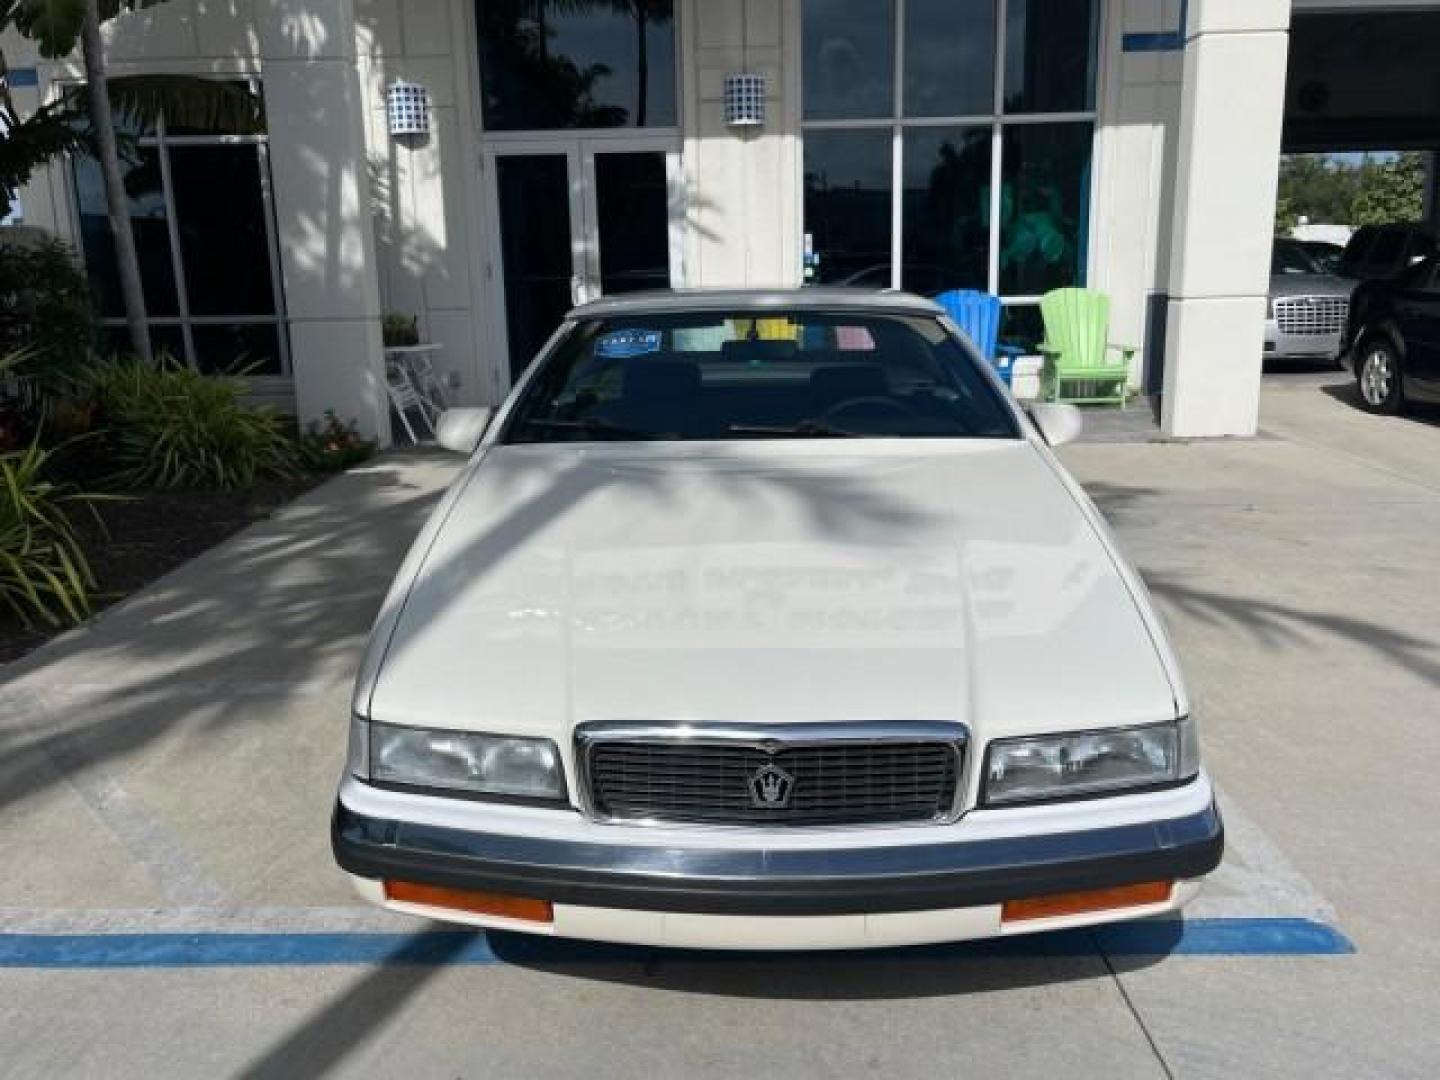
[1139,111]
[426,192]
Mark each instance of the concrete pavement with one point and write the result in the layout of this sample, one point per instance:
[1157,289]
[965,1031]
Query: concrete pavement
[170,768]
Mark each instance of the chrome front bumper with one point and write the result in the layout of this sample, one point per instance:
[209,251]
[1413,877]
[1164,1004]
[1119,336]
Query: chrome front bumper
[1282,345]
[737,873]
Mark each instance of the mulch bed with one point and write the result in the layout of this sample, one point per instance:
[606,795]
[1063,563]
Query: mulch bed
[150,534]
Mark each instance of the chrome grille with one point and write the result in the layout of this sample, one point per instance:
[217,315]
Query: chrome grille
[851,781]
[1312,315]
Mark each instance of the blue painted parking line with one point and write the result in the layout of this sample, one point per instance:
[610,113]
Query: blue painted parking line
[1195,937]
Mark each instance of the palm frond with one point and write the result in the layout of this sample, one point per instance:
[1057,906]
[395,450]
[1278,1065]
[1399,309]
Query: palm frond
[54,25]
[189,101]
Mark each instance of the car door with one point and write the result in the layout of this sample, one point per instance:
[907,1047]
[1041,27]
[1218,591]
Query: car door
[1417,317]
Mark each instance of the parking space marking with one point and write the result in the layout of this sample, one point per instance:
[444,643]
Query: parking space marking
[1156,937]
[1256,879]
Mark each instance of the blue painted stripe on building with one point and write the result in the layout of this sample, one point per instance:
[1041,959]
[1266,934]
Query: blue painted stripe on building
[22,77]
[1197,937]
[1164,41]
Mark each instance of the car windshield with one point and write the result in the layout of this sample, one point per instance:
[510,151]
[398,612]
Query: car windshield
[777,375]
[1291,259]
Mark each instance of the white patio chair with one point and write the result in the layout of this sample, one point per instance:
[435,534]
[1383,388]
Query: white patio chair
[427,383]
[404,397]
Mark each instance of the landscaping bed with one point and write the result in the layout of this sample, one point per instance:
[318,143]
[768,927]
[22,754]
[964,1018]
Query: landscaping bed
[115,470]
[148,534]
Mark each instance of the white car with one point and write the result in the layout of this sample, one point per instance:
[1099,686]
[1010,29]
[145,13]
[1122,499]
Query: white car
[768,620]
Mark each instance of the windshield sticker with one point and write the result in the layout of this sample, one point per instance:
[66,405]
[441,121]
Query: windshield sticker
[624,344]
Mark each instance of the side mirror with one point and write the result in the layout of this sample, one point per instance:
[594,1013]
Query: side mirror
[1058,423]
[460,430]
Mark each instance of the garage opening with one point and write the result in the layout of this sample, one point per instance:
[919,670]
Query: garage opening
[1359,192]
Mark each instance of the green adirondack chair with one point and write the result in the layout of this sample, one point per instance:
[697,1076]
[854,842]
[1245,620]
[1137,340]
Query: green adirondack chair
[1077,322]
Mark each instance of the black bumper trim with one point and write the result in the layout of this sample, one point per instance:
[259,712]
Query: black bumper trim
[757,881]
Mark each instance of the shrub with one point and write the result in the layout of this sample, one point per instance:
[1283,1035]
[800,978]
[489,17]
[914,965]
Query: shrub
[45,308]
[399,330]
[43,570]
[330,445]
[168,426]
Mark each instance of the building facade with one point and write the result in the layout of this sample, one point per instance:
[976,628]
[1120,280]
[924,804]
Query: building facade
[574,149]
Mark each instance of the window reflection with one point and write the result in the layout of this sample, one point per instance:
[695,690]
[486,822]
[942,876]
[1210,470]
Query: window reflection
[220,217]
[548,64]
[847,206]
[956,91]
[147,222]
[1049,56]
[949,57]
[243,348]
[849,59]
[197,208]
[947,209]
[1045,197]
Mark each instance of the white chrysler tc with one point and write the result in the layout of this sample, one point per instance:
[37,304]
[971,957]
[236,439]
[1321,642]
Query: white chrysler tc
[769,620]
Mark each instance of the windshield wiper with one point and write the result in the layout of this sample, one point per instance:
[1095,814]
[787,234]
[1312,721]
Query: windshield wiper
[591,425]
[805,429]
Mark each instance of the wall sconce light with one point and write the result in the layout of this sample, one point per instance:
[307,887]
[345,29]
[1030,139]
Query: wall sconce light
[745,100]
[407,108]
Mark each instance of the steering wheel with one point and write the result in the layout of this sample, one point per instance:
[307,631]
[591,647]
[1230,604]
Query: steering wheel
[869,405]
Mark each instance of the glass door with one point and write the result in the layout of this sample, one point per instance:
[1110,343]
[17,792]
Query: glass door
[577,219]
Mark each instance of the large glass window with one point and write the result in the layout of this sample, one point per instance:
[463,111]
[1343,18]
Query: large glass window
[848,58]
[547,64]
[946,219]
[205,238]
[847,205]
[1049,55]
[949,57]
[1043,222]
[989,105]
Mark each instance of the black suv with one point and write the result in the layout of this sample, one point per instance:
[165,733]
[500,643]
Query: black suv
[1382,252]
[1392,343]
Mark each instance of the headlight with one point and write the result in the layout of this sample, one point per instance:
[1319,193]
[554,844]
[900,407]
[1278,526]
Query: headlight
[499,765]
[1089,763]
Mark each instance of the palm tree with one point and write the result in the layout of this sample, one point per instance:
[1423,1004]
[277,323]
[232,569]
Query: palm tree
[116,203]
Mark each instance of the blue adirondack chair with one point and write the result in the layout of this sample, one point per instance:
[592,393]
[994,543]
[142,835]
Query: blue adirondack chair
[978,314]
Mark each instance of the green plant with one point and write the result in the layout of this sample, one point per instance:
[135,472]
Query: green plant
[331,445]
[399,330]
[43,570]
[168,426]
[45,309]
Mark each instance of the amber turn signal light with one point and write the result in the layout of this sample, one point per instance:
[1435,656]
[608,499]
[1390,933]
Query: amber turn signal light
[1079,903]
[479,903]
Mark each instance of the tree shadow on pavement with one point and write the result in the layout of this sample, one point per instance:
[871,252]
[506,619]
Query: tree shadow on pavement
[323,1040]
[1276,625]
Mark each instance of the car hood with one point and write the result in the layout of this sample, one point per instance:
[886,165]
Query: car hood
[770,582]
[1310,285]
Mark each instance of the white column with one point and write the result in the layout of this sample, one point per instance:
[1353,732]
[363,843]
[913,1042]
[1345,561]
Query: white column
[1229,147]
[740,184]
[321,189]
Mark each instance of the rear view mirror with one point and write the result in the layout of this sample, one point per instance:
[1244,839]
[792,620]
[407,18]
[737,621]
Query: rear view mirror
[1058,422]
[460,430]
